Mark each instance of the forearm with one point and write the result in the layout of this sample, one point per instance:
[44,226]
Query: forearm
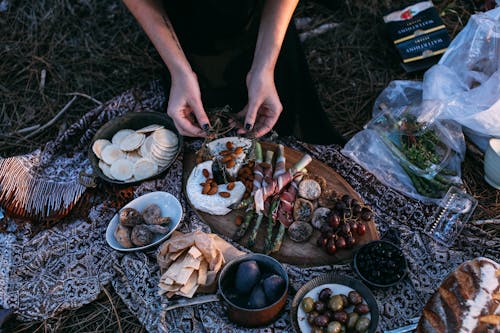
[276,16]
[155,22]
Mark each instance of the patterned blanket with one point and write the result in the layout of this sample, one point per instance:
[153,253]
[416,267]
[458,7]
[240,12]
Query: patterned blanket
[64,266]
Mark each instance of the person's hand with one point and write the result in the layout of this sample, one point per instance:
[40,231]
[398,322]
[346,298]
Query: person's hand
[185,106]
[264,106]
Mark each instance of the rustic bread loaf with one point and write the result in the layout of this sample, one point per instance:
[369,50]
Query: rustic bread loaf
[464,297]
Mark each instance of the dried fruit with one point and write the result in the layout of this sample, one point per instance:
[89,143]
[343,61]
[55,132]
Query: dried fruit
[205,172]
[238,150]
[226,159]
[213,190]
[239,220]
[231,163]
[225,194]
[230,186]
[229,145]
[225,153]
[206,188]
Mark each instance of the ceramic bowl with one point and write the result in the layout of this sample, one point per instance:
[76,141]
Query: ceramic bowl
[245,316]
[338,284]
[134,121]
[492,163]
[380,264]
[169,206]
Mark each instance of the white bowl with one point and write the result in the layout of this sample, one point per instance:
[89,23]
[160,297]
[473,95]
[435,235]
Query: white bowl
[492,163]
[169,206]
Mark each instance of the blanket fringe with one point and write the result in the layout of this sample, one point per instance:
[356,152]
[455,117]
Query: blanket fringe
[25,194]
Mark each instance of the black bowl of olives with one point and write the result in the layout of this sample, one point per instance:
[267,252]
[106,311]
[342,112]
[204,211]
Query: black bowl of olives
[255,288]
[380,264]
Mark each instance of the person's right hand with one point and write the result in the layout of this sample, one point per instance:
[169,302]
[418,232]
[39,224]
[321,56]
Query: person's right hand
[185,106]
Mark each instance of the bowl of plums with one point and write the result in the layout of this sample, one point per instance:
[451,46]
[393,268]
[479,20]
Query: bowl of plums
[380,264]
[254,287]
[334,303]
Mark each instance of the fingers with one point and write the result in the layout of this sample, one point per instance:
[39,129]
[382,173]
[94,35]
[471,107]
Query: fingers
[201,115]
[185,126]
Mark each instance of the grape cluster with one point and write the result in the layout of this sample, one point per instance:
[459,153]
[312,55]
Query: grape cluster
[346,222]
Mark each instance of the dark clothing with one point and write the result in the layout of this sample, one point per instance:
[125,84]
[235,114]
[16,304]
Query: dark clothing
[219,37]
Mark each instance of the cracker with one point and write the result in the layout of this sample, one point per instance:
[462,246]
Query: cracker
[120,135]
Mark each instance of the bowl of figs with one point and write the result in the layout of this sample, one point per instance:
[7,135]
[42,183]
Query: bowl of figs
[380,264]
[254,288]
[334,303]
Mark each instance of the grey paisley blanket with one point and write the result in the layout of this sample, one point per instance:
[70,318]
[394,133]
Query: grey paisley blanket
[65,266]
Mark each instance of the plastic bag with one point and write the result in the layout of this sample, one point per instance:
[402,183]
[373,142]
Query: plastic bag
[462,92]
[370,147]
[467,79]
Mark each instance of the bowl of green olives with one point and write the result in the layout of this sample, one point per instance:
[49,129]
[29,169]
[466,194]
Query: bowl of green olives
[254,288]
[333,304]
[380,264]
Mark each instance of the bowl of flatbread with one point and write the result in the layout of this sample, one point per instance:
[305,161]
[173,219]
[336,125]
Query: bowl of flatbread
[134,147]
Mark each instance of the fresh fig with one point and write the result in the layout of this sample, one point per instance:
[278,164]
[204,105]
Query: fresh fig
[257,298]
[247,276]
[273,287]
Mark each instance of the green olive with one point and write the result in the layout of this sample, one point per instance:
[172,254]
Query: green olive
[336,303]
[311,316]
[352,318]
[308,304]
[334,327]
[362,325]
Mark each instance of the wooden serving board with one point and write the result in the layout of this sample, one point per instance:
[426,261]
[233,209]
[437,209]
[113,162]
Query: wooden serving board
[308,253]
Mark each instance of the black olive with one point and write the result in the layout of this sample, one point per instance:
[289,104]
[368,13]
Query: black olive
[325,294]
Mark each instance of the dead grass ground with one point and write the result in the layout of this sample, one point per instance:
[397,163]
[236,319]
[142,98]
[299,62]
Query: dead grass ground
[96,48]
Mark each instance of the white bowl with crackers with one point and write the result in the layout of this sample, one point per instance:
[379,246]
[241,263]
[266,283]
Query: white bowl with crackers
[169,209]
[134,147]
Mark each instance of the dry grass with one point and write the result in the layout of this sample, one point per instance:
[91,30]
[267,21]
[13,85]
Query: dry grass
[96,48]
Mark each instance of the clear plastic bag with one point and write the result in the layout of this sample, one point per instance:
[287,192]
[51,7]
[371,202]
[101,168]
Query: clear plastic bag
[384,149]
[462,92]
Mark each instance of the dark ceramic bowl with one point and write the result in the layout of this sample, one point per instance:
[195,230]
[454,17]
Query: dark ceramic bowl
[339,284]
[135,121]
[380,264]
[246,316]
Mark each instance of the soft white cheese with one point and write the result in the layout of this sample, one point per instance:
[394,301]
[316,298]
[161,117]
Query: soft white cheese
[212,204]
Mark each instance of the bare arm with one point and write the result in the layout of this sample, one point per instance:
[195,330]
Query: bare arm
[264,106]
[185,97]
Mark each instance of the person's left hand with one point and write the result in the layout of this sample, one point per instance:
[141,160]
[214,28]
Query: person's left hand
[264,106]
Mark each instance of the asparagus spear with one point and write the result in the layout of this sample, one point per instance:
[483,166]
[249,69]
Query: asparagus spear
[268,242]
[255,229]
[246,223]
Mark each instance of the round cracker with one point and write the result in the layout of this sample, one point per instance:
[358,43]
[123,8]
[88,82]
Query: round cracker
[145,168]
[150,128]
[133,156]
[120,135]
[111,153]
[122,169]
[165,138]
[132,141]
[146,146]
[99,145]
[163,153]
[106,169]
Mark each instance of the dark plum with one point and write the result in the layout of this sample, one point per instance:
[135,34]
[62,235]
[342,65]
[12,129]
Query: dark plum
[247,276]
[361,229]
[273,287]
[330,247]
[362,308]
[257,298]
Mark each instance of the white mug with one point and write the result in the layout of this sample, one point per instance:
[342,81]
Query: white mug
[492,163]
